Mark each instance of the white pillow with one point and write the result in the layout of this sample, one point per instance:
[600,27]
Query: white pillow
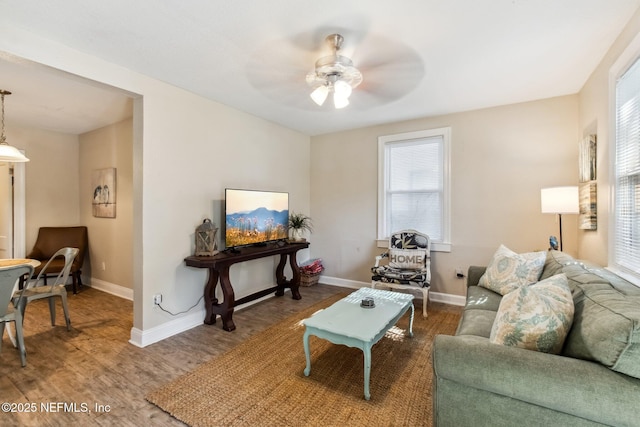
[407,259]
[508,270]
[535,317]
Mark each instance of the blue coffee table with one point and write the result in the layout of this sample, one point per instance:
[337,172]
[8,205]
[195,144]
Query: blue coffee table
[347,323]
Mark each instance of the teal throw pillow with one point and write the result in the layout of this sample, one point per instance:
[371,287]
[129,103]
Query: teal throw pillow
[508,270]
[535,317]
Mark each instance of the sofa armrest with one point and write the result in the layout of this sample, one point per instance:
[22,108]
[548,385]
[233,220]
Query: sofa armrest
[577,387]
[474,274]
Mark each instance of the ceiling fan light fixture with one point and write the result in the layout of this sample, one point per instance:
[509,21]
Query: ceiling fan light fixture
[339,101]
[7,152]
[342,89]
[319,95]
[334,73]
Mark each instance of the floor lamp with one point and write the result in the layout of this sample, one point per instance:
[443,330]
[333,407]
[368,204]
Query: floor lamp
[559,200]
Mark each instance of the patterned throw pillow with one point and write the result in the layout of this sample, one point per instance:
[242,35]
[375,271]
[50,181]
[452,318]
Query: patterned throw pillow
[535,317]
[407,259]
[508,270]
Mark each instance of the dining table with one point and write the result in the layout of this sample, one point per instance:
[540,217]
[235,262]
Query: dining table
[10,262]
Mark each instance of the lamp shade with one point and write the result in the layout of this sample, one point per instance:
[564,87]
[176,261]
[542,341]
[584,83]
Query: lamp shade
[7,152]
[559,200]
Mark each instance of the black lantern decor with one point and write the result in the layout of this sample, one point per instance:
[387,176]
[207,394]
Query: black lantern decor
[206,244]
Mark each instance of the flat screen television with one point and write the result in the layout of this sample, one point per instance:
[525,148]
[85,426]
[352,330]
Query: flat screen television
[255,217]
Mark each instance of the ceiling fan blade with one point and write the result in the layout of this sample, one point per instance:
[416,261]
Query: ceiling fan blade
[278,69]
[390,71]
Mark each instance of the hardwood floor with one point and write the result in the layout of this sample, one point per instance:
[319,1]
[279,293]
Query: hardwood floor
[93,376]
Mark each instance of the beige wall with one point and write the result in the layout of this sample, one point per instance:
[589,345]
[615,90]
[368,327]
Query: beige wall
[52,179]
[501,158]
[595,119]
[57,179]
[186,150]
[110,239]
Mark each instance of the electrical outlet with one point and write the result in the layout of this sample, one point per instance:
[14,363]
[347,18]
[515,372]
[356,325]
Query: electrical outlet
[157,299]
[104,266]
[459,273]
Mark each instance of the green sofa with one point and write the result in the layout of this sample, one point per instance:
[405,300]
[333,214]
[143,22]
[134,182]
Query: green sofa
[594,381]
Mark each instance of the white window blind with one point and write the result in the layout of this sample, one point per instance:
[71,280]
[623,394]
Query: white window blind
[413,184]
[626,241]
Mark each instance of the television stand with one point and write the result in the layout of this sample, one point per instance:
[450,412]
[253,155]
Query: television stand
[219,265]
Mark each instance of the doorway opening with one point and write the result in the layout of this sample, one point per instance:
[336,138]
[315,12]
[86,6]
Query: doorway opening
[12,210]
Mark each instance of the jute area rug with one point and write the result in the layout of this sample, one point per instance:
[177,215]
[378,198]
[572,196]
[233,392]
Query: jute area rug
[261,381]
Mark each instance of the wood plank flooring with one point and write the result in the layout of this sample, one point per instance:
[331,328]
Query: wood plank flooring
[93,376]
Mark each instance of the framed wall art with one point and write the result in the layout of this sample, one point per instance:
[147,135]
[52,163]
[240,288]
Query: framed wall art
[103,182]
[588,217]
[588,188]
[588,159]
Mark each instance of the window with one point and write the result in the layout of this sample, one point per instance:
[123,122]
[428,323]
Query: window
[413,185]
[625,250]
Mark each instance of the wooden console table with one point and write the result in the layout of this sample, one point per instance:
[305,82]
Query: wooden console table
[219,265]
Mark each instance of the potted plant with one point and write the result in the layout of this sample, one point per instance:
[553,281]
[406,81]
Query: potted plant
[298,224]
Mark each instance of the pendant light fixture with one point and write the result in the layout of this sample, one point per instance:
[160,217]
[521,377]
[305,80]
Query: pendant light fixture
[334,74]
[7,152]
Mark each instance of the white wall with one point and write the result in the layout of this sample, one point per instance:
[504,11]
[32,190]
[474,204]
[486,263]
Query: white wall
[501,158]
[193,149]
[186,150]
[6,212]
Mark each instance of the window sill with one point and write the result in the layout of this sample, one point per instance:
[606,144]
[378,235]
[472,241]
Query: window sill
[632,278]
[435,246]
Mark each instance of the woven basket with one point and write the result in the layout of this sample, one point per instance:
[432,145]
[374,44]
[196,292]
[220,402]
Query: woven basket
[307,279]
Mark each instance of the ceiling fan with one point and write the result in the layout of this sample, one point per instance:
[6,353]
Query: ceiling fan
[382,68]
[334,74]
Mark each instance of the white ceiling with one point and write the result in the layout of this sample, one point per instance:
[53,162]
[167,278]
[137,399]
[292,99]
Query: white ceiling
[50,99]
[418,57]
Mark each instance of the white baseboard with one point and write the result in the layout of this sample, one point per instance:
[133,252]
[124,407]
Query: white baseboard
[111,288]
[147,337]
[448,298]
[354,284]
[345,283]
[150,336]
[141,338]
